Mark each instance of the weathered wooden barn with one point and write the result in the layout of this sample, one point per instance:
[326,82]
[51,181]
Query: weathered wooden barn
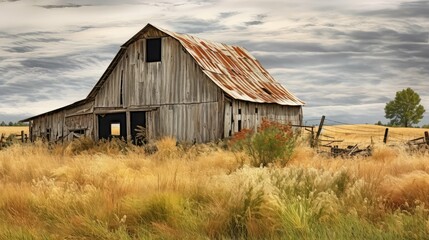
[173,85]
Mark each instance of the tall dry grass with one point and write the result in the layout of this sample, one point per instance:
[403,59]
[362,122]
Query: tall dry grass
[89,190]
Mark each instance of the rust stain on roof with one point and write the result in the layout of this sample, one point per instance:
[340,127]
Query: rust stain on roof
[236,71]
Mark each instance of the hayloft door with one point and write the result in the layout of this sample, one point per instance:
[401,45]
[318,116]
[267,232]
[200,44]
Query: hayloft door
[112,125]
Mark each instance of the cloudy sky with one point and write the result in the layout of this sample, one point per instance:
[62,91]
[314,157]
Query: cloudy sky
[345,58]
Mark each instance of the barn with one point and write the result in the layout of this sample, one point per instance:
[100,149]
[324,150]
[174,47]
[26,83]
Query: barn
[173,84]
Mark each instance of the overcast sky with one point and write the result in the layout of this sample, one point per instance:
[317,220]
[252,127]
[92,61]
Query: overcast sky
[344,58]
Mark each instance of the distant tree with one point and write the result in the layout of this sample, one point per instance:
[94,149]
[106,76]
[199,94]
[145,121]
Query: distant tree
[10,124]
[379,123]
[2,123]
[425,126]
[405,109]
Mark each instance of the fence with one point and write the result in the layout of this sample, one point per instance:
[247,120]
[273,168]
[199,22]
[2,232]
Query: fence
[6,141]
[343,138]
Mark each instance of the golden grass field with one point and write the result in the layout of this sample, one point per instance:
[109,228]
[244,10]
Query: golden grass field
[114,191]
[364,133]
[13,130]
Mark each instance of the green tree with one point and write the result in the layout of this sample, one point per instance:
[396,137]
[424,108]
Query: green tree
[405,109]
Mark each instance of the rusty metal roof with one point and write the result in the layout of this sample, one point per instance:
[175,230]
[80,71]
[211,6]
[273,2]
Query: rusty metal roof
[235,71]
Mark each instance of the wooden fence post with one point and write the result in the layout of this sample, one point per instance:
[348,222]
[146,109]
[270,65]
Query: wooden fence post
[322,120]
[22,136]
[386,134]
[1,141]
[427,137]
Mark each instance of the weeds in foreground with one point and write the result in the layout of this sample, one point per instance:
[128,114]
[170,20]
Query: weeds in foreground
[204,191]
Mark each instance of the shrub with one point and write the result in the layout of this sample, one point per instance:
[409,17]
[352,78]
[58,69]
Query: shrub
[243,214]
[272,143]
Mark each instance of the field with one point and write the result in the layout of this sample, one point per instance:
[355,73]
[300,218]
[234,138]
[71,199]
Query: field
[13,130]
[115,191]
[364,134]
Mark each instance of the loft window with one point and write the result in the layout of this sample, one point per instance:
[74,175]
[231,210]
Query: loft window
[256,110]
[115,129]
[239,111]
[153,50]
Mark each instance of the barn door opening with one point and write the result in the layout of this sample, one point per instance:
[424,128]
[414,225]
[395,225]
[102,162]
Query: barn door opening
[138,128]
[112,126]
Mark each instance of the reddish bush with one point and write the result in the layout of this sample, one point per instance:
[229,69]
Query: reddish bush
[273,142]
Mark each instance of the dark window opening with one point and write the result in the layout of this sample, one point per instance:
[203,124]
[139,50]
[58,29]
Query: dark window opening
[256,110]
[121,100]
[239,111]
[138,128]
[48,134]
[267,91]
[77,133]
[138,56]
[153,50]
[110,125]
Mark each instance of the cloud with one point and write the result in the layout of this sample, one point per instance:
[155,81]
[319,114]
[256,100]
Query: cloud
[390,35]
[194,26]
[258,21]
[70,5]
[251,23]
[413,9]
[300,47]
[51,63]
[21,49]
[223,15]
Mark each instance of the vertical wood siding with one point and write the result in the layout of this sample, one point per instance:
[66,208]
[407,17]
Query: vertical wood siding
[177,79]
[62,122]
[250,119]
[189,106]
